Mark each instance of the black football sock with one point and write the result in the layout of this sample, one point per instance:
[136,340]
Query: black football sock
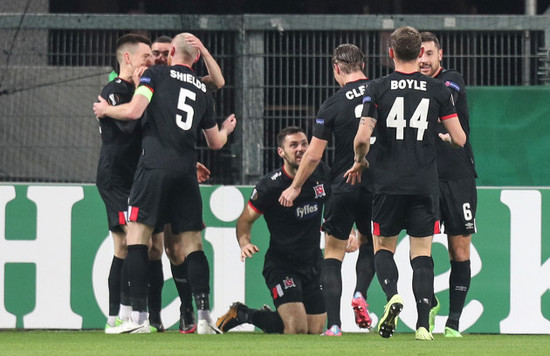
[331,279]
[423,289]
[364,268]
[459,283]
[269,321]
[156,282]
[386,271]
[124,285]
[434,300]
[138,275]
[179,273]
[198,273]
[114,282]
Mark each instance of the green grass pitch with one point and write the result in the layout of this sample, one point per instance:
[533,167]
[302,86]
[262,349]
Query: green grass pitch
[59,343]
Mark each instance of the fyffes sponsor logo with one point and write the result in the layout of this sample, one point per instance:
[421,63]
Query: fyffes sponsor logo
[307,211]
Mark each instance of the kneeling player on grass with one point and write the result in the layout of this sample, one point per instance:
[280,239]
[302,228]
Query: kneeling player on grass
[293,260]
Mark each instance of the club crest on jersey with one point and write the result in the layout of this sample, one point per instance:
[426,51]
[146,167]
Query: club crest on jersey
[320,121]
[319,191]
[288,282]
[452,85]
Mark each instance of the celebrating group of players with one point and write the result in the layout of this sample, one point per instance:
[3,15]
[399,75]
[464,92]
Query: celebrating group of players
[402,161]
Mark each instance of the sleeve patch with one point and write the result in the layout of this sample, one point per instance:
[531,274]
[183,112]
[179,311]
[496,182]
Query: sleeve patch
[452,85]
[320,121]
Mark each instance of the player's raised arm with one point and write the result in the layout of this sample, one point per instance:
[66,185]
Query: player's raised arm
[244,229]
[216,138]
[214,80]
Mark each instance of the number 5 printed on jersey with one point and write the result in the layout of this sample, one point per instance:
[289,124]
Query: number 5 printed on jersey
[186,122]
[419,119]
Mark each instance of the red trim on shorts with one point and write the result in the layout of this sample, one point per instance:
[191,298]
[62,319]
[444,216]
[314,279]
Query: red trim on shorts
[134,211]
[375,228]
[121,218]
[437,227]
[254,208]
[449,117]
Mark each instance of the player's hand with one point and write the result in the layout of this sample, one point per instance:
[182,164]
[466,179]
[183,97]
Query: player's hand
[100,107]
[248,250]
[445,137]
[353,174]
[203,173]
[195,42]
[136,76]
[353,242]
[229,124]
[288,195]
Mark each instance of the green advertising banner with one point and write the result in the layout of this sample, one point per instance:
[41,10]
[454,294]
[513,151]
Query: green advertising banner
[510,135]
[55,254]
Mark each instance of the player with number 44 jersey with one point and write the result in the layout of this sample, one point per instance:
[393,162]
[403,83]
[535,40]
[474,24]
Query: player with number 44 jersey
[407,107]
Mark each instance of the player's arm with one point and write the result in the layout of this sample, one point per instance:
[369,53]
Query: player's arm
[456,135]
[214,80]
[126,112]
[216,138]
[203,173]
[244,231]
[361,146]
[310,161]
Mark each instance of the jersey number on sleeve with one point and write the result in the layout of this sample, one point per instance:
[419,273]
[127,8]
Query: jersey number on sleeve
[419,119]
[185,123]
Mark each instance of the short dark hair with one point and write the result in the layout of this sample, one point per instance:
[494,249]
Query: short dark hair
[430,37]
[406,43]
[285,132]
[163,39]
[349,58]
[132,38]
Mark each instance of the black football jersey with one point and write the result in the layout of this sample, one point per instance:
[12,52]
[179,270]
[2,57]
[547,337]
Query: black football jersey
[179,109]
[455,163]
[407,107]
[295,231]
[339,116]
[121,140]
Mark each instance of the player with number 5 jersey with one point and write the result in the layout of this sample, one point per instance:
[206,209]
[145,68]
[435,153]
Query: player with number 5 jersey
[165,189]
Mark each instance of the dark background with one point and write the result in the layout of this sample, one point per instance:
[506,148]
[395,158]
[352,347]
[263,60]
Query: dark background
[296,6]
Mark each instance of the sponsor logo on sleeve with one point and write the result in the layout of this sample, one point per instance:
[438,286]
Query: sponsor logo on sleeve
[367,99]
[320,121]
[452,85]
[254,195]
[145,80]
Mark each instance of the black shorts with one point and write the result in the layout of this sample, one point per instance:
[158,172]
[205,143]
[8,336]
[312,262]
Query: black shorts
[290,284]
[116,203]
[458,204]
[418,214]
[344,207]
[161,196]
